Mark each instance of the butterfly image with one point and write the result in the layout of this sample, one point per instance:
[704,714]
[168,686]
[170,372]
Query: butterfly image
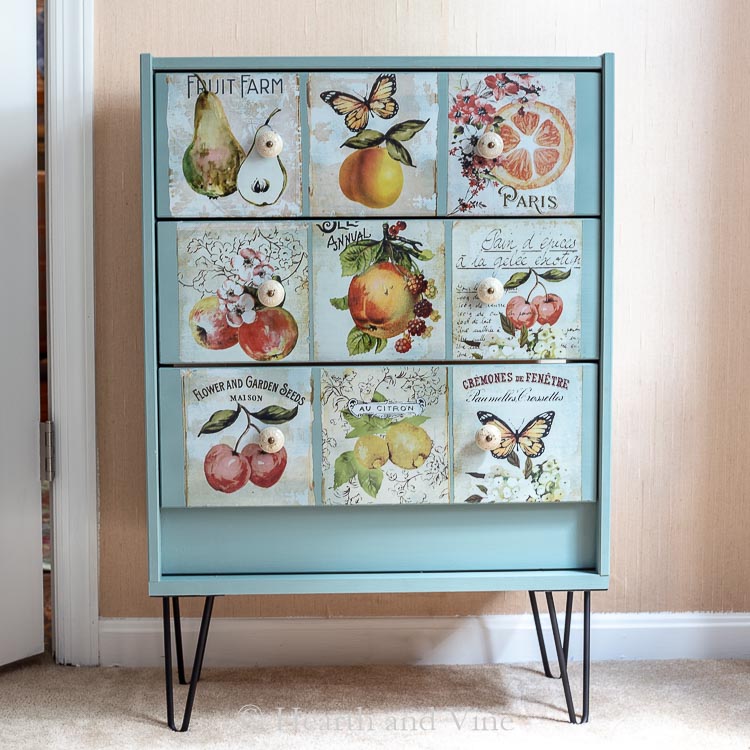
[356,111]
[529,439]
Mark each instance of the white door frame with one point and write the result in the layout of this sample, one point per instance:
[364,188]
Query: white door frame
[70,281]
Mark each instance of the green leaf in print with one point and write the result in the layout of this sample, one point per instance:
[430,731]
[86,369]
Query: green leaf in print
[518,278]
[507,326]
[359,256]
[399,153]
[344,469]
[378,398]
[523,339]
[340,303]
[369,480]
[527,468]
[482,488]
[473,499]
[555,274]
[359,342]
[476,474]
[406,130]
[416,420]
[366,424]
[364,139]
[219,421]
[275,414]
[513,459]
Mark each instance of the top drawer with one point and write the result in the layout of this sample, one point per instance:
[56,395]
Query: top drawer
[369,143]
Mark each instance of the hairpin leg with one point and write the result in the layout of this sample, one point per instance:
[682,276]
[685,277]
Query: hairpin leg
[540,635]
[562,652]
[200,651]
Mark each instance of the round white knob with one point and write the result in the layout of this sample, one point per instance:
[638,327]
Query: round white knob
[271,440]
[271,293]
[490,290]
[268,142]
[489,146]
[488,437]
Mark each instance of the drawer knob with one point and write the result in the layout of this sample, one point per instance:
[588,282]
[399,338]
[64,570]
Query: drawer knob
[488,437]
[269,142]
[489,146]
[490,290]
[271,440]
[271,293]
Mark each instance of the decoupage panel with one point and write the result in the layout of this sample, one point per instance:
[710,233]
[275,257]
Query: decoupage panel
[538,264]
[234,144]
[533,414]
[373,143]
[379,289]
[385,435]
[225,414]
[511,143]
[224,313]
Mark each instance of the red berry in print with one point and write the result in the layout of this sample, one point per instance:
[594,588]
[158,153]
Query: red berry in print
[549,308]
[520,313]
[416,284]
[403,345]
[417,327]
[393,230]
[423,308]
[401,225]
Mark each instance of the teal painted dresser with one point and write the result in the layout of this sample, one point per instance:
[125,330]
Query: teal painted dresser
[377,298]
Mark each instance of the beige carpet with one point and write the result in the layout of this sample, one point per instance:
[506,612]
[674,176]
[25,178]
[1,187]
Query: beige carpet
[667,704]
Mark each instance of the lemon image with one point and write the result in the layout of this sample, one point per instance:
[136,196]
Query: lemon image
[408,445]
[371,451]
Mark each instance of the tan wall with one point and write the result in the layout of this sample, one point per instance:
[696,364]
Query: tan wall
[681,517]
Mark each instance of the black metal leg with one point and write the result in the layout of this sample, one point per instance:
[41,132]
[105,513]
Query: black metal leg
[178,640]
[562,652]
[200,651]
[540,635]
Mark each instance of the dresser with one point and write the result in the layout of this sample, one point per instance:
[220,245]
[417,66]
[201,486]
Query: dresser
[377,304]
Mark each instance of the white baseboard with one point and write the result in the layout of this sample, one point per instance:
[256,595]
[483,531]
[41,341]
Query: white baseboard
[491,639]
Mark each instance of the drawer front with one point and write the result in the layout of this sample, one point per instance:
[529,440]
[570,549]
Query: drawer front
[543,422]
[377,143]
[214,424]
[378,291]
[210,278]
[544,128]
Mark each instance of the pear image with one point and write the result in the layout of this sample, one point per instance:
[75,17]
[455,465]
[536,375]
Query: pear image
[212,160]
[262,177]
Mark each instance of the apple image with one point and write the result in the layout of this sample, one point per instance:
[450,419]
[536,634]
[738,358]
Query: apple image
[225,469]
[520,313]
[549,308]
[208,324]
[380,302]
[265,468]
[272,335]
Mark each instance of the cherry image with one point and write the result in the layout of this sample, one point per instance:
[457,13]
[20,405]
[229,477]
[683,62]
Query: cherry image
[520,312]
[225,469]
[548,307]
[265,468]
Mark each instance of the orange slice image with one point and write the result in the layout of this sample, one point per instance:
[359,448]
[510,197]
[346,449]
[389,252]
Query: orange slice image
[537,145]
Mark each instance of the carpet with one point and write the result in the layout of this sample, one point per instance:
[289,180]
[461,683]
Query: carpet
[664,704]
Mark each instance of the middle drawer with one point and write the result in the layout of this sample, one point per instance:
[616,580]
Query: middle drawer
[378,290]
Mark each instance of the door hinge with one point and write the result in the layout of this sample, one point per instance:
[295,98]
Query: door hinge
[47,451]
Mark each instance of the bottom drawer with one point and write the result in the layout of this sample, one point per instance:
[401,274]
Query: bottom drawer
[387,435]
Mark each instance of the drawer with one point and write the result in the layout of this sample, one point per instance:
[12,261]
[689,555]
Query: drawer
[349,290]
[235,437]
[523,144]
[548,271]
[211,276]
[537,428]
[377,143]
[212,131]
